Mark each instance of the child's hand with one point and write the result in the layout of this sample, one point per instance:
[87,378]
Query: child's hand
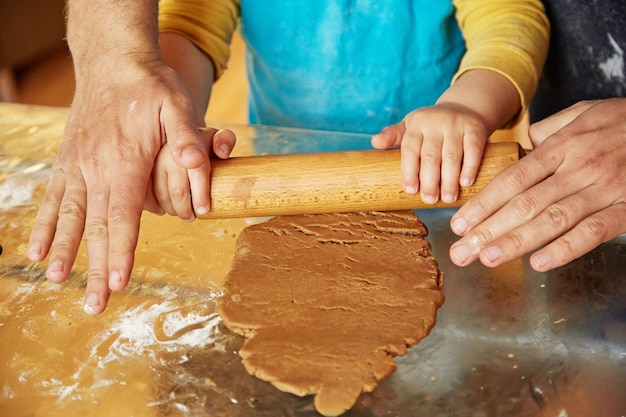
[442,147]
[171,187]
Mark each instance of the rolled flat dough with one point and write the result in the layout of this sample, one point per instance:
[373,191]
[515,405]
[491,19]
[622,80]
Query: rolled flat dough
[327,301]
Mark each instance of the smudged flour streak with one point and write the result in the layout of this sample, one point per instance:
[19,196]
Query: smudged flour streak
[613,67]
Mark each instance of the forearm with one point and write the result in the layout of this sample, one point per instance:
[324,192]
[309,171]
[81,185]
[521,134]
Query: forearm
[209,25]
[193,66]
[490,95]
[106,35]
[509,37]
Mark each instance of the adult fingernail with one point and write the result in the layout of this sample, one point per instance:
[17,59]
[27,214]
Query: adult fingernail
[540,260]
[492,253]
[34,251]
[55,266]
[92,304]
[191,152]
[459,225]
[115,279]
[460,254]
[409,189]
[201,210]
[55,270]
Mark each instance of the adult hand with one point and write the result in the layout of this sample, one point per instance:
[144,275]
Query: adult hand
[569,193]
[118,122]
[127,105]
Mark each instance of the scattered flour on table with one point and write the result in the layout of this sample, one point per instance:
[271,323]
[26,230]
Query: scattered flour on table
[18,189]
[134,338]
[137,331]
[14,193]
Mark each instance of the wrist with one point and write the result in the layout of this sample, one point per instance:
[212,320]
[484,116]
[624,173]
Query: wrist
[193,66]
[487,94]
[462,108]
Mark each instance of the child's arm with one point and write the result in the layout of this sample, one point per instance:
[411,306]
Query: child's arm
[194,38]
[507,43]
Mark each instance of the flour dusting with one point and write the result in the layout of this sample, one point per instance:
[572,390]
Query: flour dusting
[613,67]
[14,193]
[143,330]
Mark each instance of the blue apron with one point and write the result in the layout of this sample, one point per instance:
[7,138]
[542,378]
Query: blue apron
[347,65]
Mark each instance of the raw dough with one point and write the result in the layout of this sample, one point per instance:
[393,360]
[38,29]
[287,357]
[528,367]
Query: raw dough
[326,301]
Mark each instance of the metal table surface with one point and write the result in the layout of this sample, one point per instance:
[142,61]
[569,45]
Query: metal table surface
[508,341]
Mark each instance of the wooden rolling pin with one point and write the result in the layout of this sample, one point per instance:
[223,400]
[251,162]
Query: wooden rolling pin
[329,182]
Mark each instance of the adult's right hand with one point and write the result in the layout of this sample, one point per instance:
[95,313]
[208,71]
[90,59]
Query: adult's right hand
[114,132]
[127,105]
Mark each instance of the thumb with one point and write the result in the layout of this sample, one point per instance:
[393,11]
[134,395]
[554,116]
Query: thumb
[541,130]
[182,135]
[389,136]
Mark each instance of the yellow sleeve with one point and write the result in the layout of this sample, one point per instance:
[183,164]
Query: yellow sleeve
[209,24]
[507,36]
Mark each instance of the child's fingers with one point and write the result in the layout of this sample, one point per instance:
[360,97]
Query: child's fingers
[223,143]
[410,161]
[451,160]
[160,185]
[151,203]
[200,183]
[473,147]
[180,194]
[218,143]
[430,168]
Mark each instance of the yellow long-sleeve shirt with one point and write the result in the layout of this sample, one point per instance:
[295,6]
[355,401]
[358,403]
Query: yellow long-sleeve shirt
[506,36]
